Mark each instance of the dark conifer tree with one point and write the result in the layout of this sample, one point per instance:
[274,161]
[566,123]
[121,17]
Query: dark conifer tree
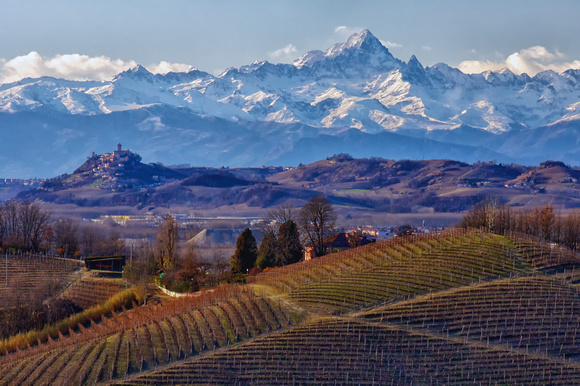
[244,258]
[289,246]
[267,251]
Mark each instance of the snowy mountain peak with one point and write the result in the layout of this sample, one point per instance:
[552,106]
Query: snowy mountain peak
[183,77]
[547,76]
[362,40]
[361,50]
[137,73]
[355,86]
[414,72]
[414,65]
[309,58]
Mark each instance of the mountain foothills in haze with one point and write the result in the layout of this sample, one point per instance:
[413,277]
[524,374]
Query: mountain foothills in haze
[354,98]
[355,185]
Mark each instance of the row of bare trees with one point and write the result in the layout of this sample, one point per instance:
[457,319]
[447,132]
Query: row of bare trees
[71,238]
[543,222]
[26,226]
[23,225]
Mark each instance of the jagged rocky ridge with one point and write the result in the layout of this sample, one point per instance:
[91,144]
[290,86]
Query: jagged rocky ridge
[354,97]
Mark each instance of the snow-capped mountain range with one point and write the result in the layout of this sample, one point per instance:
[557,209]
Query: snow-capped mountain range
[355,97]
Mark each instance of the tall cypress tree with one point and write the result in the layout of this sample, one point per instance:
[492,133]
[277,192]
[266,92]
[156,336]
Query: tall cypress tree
[244,258]
[289,246]
[267,251]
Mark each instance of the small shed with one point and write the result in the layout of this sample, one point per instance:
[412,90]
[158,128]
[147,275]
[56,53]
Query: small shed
[105,264]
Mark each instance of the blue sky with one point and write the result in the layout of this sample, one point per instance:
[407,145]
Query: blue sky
[99,38]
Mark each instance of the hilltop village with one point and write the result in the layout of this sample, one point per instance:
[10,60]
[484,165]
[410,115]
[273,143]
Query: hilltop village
[109,165]
[122,169]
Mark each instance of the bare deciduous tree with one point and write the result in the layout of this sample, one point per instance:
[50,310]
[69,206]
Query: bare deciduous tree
[33,222]
[166,243]
[22,225]
[316,219]
[66,236]
[483,214]
[276,217]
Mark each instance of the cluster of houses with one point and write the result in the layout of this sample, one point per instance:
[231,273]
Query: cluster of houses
[182,220]
[358,237]
[520,185]
[29,183]
[105,166]
[467,183]
[109,169]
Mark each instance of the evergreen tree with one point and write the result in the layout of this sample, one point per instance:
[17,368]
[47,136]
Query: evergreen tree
[267,251]
[244,258]
[289,246]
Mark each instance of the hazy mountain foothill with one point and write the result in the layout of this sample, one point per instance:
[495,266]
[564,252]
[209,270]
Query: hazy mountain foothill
[362,185]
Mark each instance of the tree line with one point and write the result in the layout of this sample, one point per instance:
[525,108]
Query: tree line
[26,226]
[543,223]
[285,236]
[23,225]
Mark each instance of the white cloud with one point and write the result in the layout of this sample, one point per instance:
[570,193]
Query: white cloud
[427,48]
[70,66]
[73,67]
[164,67]
[287,52]
[389,44]
[346,31]
[530,61]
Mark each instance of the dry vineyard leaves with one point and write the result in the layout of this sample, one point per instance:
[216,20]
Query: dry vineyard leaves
[454,308]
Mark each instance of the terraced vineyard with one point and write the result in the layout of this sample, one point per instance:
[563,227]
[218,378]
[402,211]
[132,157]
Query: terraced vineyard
[354,352]
[88,291]
[145,338]
[536,314]
[457,308]
[23,275]
[399,268]
[542,256]
[462,307]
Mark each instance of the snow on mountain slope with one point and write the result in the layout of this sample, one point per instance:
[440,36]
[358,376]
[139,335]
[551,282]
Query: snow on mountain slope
[357,85]
[336,88]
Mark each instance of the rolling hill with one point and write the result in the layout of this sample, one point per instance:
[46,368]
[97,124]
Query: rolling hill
[456,307]
[354,185]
